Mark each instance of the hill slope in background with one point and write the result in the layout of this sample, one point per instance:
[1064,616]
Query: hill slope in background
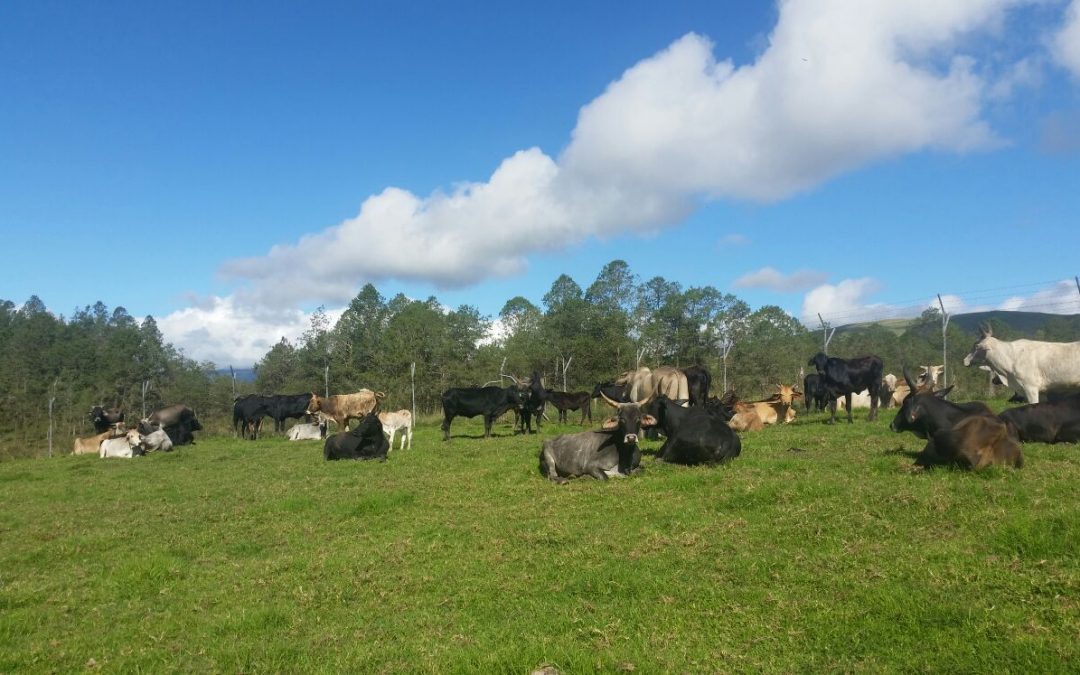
[241,374]
[1055,327]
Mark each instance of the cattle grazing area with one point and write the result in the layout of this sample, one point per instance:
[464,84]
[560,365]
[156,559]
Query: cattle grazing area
[817,548]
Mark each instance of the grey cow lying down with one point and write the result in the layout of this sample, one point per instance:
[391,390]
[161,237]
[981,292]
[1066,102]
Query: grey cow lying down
[612,451]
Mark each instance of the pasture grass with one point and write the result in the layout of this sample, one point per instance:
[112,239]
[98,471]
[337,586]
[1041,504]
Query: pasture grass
[817,549]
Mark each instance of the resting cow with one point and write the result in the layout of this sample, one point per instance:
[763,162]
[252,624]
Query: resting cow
[344,407]
[1047,422]
[612,451]
[844,377]
[157,440]
[392,422]
[694,435]
[311,431]
[366,441]
[491,402]
[1030,366]
[178,421]
[92,445]
[127,446]
[975,442]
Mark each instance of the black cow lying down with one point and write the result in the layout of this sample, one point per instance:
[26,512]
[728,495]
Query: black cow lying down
[366,441]
[1056,421]
[612,451]
[694,435]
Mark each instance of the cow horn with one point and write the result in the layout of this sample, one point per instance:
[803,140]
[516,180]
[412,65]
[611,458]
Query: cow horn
[907,378]
[512,378]
[610,402]
[986,330]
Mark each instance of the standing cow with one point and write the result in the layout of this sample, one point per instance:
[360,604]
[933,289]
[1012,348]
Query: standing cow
[344,407]
[1030,366]
[844,377]
[491,402]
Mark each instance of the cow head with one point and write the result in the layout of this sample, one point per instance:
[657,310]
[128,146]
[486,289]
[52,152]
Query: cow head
[314,405]
[787,394]
[915,406]
[629,419]
[982,346]
[370,426]
[818,361]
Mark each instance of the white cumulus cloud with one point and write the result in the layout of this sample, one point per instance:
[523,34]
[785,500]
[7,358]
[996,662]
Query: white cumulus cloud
[227,332]
[844,302]
[842,83]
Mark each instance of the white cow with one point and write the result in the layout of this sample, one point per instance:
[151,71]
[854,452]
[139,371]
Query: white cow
[859,400]
[392,421]
[126,446]
[1031,366]
[157,440]
[312,431]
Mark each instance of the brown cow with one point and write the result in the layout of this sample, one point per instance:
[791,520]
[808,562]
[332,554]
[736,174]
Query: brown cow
[755,415]
[344,407]
[92,445]
[974,442]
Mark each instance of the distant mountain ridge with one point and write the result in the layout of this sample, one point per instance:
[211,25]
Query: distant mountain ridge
[1025,323]
[242,374]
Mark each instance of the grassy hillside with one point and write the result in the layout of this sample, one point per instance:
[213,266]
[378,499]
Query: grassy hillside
[818,549]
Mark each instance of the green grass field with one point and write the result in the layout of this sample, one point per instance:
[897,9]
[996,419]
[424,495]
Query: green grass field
[459,557]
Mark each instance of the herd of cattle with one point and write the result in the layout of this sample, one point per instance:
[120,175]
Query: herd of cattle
[698,428]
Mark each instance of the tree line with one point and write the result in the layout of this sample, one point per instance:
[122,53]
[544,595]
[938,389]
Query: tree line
[574,339]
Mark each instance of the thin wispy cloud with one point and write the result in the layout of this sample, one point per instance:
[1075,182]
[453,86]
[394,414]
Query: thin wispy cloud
[772,279]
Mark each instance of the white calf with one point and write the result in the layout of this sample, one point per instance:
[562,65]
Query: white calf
[158,440]
[307,432]
[127,446]
[392,421]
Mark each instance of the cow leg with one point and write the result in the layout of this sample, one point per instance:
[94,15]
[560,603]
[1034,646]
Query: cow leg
[446,427]
[875,396]
[391,439]
[832,411]
[847,401]
[488,421]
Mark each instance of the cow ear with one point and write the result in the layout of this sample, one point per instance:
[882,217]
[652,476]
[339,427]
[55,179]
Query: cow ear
[942,393]
[796,394]
[648,421]
[610,424]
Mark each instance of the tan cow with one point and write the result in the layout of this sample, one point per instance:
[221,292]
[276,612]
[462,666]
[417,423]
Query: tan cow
[642,383]
[755,415]
[344,407]
[392,421]
[92,445]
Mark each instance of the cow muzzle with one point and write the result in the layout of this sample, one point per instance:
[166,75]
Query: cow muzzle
[630,438]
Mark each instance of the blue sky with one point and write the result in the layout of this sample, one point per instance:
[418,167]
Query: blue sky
[229,167]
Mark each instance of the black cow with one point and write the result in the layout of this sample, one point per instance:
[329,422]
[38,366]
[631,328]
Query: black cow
[926,413]
[612,451]
[564,401]
[815,393]
[366,441]
[616,392]
[178,421]
[248,412]
[844,377]
[694,435]
[533,404]
[283,406]
[491,402]
[1056,421]
[103,419]
[698,381]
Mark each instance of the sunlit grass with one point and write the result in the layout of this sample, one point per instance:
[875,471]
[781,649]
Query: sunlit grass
[815,549]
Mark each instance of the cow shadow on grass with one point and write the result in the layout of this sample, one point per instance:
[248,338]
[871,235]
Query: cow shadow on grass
[901,450]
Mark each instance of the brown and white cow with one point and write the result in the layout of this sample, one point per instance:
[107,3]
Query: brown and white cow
[92,444]
[344,407]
